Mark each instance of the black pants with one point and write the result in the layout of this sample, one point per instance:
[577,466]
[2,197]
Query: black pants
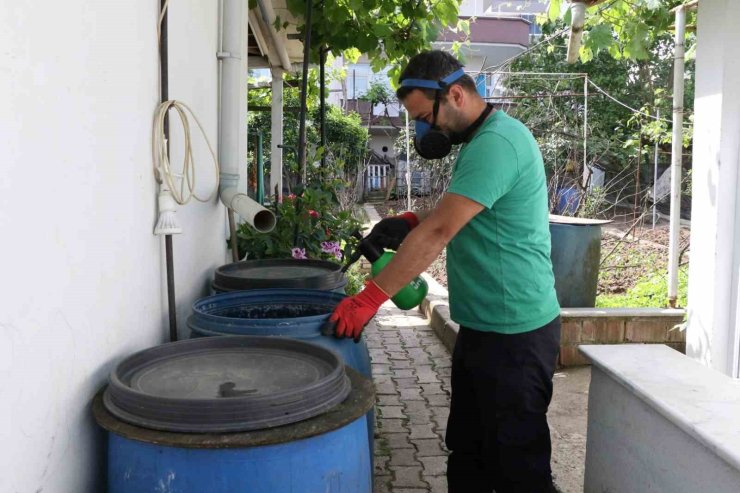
[497,432]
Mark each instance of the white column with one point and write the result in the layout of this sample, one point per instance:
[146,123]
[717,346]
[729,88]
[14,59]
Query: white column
[712,336]
[276,153]
[676,155]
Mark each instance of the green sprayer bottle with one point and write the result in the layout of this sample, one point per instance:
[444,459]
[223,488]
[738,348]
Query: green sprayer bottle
[410,295]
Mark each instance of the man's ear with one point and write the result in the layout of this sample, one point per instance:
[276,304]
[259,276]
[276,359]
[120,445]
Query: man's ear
[456,95]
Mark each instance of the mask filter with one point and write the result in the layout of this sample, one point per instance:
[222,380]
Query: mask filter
[429,142]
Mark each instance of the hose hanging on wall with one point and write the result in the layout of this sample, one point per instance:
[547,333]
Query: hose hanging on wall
[160,155]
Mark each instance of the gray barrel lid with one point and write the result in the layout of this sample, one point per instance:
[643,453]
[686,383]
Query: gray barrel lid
[226,384]
[279,273]
[577,221]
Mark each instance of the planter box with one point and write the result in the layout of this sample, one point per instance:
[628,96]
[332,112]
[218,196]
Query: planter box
[660,421]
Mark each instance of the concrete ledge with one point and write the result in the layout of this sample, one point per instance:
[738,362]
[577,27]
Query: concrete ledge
[580,325]
[668,421]
[436,308]
[621,312]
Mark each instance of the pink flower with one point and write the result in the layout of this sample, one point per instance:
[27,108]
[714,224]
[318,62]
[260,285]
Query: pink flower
[291,196]
[329,246]
[313,213]
[298,253]
[333,248]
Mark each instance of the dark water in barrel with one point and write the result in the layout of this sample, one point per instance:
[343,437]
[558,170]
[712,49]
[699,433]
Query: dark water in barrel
[268,311]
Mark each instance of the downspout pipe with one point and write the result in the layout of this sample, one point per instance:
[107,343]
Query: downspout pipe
[577,23]
[232,117]
[676,155]
[268,17]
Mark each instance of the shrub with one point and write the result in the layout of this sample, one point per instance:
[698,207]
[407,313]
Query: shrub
[309,225]
[650,292]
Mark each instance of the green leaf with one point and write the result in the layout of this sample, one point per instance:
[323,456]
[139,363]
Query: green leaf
[600,37]
[352,55]
[553,12]
[382,30]
[615,52]
[636,47]
[252,4]
[585,54]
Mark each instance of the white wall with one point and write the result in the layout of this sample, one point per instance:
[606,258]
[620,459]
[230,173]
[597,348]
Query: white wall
[82,272]
[714,271]
[378,141]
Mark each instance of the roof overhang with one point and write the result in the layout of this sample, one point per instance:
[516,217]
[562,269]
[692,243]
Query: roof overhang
[275,46]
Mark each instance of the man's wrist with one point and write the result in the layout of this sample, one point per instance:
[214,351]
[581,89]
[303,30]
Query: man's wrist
[373,295]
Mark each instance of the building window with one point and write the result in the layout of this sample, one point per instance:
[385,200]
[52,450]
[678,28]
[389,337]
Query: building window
[357,81]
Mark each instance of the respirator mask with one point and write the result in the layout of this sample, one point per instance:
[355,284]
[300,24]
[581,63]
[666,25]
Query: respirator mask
[430,142]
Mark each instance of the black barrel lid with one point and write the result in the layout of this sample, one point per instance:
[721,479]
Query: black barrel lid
[225,384]
[279,273]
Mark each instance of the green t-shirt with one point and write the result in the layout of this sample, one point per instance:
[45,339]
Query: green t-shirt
[498,266]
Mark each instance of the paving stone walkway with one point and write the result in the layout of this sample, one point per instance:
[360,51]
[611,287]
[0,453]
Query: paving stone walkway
[411,370]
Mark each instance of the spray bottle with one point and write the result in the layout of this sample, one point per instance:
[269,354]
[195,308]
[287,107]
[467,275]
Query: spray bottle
[410,295]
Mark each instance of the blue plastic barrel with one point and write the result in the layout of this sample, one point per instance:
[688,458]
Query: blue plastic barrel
[576,256]
[328,453]
[294,313]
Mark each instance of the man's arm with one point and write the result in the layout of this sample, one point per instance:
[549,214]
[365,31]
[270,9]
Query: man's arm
[425,242]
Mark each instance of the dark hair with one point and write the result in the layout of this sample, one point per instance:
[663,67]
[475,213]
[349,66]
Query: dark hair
[432,65]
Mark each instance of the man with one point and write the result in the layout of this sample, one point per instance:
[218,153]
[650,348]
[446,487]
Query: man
[494,222]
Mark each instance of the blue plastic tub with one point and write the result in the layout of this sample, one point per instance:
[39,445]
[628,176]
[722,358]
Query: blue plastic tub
[328,453]
[294,313]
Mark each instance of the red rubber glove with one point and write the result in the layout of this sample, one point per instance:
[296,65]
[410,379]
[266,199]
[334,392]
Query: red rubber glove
[352,314]
[410,218]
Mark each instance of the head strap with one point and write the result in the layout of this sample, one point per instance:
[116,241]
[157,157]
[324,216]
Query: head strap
[434,84]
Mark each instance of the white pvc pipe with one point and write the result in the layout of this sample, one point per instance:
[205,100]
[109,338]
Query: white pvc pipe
[586,172]
[261,219]
[408,163]
[276,153]
[231,82]
[676,156]
[655,177]
[232,116]
[577,22]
